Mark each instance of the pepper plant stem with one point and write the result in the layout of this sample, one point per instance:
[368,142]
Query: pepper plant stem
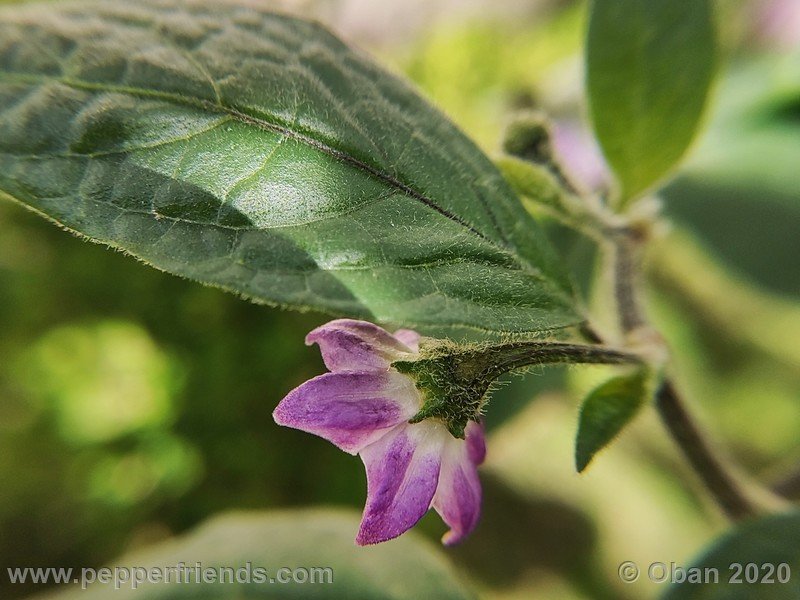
[516,355]
[715,474]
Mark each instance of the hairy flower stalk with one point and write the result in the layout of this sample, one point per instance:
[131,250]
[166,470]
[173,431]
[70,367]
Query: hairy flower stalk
[413,415]
[455,379]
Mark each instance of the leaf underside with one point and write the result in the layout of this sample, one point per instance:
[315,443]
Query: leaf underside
[257,153]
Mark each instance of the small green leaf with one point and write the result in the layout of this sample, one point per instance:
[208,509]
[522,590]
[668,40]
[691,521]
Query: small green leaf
[544,194]
[605,412]
[257,153]
[758,559]
[315,543]
[649,68]
[533,182]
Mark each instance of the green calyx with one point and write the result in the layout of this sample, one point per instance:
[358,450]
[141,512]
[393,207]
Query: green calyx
[454,379]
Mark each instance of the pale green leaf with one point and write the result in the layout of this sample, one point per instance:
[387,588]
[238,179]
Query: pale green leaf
[309,541]
[649,68]
[759,548]
[533,181]
[257,153]
[543,192]
[605,412]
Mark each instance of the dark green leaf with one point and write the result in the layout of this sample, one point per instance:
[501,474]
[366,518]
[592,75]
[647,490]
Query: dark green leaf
[407,568]
[605,412]
[649,68]
[257,153]
[757,546]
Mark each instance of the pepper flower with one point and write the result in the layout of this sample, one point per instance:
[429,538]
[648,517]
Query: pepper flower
[364,406]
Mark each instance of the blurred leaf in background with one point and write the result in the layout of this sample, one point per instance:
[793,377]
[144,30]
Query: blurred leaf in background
[102,381]
[760,558]
[316,548]
[740,189]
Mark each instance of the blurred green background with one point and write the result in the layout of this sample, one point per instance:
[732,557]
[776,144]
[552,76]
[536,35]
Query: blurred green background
[135,405]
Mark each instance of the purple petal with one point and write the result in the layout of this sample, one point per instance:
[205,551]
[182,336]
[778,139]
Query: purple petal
[778,23]
[580,156]
[476,442]
[402,474]
[458,495]
[409,337]
[351,410]
[349,345]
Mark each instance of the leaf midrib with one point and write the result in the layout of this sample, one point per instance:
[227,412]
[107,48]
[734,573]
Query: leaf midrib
[262,123]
